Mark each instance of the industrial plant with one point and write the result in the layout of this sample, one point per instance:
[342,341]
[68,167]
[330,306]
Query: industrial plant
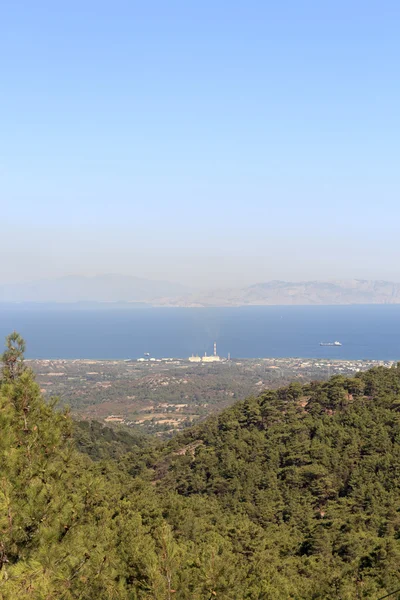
[206,359]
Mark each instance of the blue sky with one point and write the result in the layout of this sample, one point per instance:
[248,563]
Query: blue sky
[205,142]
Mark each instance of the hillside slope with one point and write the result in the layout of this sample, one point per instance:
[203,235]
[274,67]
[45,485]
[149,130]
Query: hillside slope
[293,495]
[316,471]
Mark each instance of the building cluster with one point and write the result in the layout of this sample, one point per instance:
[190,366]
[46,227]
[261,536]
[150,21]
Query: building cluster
[206,359]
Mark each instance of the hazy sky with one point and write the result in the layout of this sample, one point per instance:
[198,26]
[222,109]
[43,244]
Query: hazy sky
[215,142]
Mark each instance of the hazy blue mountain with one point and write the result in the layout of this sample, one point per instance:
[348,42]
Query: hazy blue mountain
[99,288]
[119,288]
[355,291]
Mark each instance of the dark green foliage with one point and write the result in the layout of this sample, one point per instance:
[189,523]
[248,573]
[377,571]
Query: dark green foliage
[292,495]
[12,358]
[317,468]
[101,442]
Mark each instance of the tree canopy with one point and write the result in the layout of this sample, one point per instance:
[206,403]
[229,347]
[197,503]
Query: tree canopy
[294,494]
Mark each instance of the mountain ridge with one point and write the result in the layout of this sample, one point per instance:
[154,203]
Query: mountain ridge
[96,288]
[276,292]
[111,288]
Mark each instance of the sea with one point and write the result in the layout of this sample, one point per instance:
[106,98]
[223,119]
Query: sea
[100,332]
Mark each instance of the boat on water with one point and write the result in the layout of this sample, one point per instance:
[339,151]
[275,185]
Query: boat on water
[330,344]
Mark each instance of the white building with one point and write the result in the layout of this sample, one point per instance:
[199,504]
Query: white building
[194,359]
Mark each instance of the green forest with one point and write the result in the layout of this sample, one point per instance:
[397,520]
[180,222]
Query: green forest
[294,495]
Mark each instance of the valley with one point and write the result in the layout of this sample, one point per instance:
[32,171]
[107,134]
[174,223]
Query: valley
[166,396]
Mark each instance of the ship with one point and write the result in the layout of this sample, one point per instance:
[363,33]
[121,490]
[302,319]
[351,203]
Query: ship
[330,344]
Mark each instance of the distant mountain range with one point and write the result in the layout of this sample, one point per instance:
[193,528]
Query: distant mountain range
[100,288]
[118,288]
[355,291]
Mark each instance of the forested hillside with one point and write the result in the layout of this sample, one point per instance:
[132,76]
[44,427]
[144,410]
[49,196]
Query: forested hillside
[291,495]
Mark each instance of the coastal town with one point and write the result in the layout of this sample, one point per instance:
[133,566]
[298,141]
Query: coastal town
[164,395]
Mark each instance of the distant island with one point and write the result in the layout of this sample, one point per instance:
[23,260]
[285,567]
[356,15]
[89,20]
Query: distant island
[108,288]
[354,291]
[117,289]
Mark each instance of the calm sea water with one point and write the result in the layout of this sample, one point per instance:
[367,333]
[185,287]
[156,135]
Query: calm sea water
[366,332]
